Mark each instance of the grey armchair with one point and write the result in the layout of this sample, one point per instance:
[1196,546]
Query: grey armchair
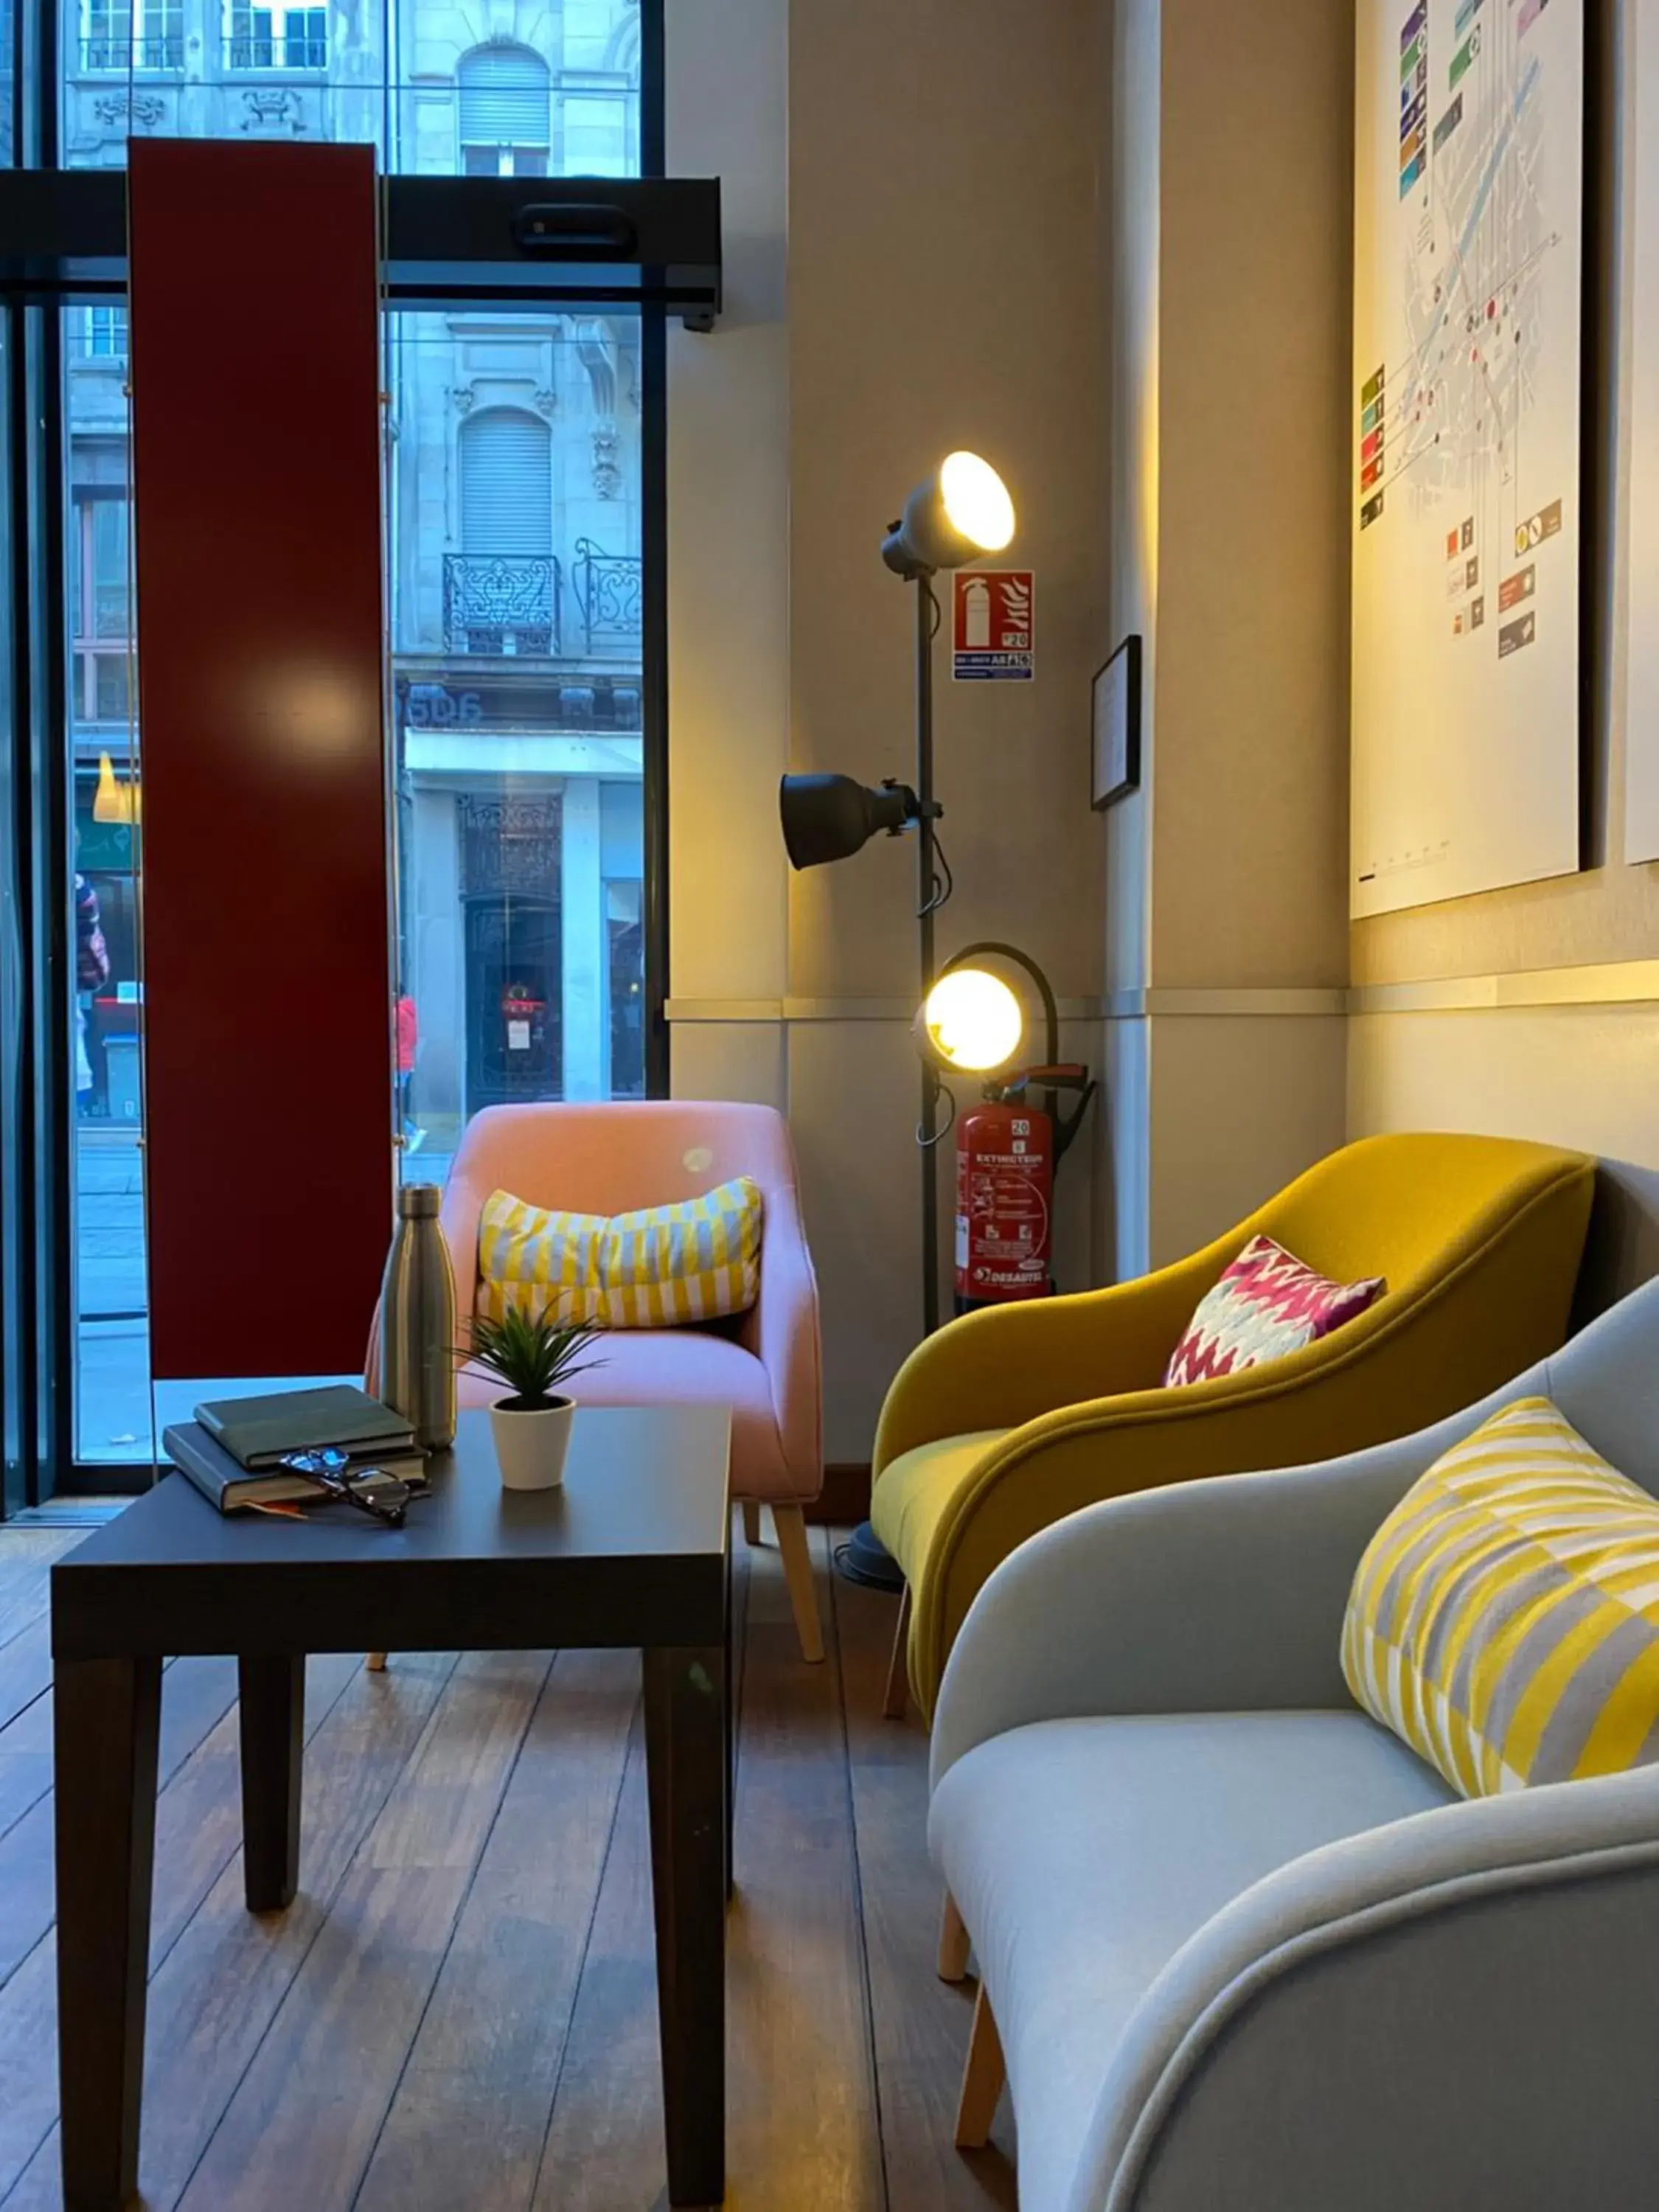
[1239,1946]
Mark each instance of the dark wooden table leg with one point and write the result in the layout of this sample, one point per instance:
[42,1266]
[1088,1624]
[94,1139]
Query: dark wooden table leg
[730,1742]
[273,1704]
[685,1757]
[105,1721]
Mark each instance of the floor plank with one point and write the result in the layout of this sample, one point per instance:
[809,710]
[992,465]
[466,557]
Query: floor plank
[801,2128]
[459,2012]
[197,1698]
[26,1557]
[217,1990]
[25,1671]
[197,1836]
[304,2119]
[471,2110]
[920,2023]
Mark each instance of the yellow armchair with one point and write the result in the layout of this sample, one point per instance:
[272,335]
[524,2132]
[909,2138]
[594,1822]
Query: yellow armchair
[1008,1419]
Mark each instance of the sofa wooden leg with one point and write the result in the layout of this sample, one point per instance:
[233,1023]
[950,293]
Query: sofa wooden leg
[751,1522]
[896,1703]
[790,1529]
[375,1662]
[982,2079]
[953,1943]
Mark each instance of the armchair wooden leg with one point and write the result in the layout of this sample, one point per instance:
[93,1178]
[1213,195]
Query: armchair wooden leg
[982,2079]
[954,1943]
[798,1573]
[897,1701]
[375,1662]
[751,1522]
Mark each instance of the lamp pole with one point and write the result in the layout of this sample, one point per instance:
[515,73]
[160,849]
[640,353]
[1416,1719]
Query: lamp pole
[926,904]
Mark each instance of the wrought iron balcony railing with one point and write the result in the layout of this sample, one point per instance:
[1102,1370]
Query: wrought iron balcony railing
[501,604]
[608,592]
[278,50]
[122,51]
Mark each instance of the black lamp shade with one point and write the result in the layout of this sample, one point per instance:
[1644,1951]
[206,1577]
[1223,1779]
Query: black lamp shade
[831,817]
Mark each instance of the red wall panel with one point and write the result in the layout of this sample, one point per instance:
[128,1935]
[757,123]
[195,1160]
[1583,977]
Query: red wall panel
[256,436]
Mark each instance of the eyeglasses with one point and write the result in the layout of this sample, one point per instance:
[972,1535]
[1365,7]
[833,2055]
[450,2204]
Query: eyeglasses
[382,1497]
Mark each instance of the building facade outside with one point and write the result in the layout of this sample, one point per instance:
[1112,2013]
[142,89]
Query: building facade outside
[513,555]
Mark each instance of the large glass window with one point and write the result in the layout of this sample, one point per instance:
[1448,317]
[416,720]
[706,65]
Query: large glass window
[514,596]
[440,86]
[515,487]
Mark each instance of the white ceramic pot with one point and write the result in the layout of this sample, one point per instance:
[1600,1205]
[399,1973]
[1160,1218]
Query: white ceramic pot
[530,1443]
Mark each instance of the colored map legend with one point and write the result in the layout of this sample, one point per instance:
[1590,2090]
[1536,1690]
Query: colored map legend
[1413,99]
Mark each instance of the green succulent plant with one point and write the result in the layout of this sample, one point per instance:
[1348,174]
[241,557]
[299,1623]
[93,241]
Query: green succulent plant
[533,1354]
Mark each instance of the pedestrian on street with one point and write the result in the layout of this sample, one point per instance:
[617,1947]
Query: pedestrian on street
[91,974]
[409,1037]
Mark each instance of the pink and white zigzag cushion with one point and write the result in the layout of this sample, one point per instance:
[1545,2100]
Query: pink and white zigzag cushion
[1268,1303]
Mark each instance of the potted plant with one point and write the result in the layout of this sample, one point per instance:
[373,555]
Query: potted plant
[532,1355]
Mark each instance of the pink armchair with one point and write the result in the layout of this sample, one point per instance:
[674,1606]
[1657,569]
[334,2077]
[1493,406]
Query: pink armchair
[609,1158]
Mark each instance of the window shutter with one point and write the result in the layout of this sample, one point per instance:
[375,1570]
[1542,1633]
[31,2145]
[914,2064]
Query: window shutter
[507,483]
[506,98]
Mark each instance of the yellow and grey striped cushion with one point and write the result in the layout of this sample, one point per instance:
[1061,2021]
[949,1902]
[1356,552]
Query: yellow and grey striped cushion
[651,1269]
[1504,1621]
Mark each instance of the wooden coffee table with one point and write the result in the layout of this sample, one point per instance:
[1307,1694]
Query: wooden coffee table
[633,1550]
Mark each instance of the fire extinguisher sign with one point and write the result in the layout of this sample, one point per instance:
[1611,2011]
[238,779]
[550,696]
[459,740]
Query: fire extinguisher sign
[993,633]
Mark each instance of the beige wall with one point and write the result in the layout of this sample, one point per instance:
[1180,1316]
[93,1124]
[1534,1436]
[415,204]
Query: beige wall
[911,205]
[1580,1075]
[1231,286]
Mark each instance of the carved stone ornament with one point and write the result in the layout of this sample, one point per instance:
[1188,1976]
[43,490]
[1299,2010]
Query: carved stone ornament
[139,111]
[546,402]
[461,397]
[269,107]
[607,468]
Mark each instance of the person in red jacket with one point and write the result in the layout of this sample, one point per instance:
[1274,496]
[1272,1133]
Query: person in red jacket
[409,1037]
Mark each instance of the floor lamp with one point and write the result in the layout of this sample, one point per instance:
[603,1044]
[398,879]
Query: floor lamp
[958,514]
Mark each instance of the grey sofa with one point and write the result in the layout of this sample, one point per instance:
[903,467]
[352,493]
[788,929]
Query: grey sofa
[1244,1951]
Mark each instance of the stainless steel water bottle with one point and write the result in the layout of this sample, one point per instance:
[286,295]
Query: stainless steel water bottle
[417,1321]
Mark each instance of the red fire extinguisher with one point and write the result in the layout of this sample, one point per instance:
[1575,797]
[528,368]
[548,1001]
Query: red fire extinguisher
[1007,1153]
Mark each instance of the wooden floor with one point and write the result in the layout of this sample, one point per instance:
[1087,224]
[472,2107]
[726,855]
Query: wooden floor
[458,2013]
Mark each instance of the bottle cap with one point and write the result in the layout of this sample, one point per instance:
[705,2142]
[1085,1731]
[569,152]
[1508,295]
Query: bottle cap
[419,1201]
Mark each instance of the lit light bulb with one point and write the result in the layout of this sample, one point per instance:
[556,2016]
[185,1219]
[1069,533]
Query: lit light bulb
[973,1020]
[976,501]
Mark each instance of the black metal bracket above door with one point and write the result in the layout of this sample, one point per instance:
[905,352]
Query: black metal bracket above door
[607,241]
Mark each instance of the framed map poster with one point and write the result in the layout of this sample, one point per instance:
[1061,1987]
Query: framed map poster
[1468,309]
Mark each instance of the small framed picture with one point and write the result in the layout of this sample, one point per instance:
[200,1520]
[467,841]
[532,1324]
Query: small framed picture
[1117,725]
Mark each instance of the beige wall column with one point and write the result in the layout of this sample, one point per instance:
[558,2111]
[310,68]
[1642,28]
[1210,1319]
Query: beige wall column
[912,202]
[1230,282]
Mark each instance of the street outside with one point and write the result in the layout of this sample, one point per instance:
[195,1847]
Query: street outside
[113,1384]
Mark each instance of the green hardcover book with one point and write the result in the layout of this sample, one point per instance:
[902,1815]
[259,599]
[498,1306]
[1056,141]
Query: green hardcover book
[258,1433]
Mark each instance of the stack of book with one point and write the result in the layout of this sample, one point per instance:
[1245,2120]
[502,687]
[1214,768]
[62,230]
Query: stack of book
[234,1450]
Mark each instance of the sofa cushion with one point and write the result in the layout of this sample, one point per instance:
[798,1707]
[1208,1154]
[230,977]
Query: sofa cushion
[657,1267]
[1267,1303]
[915,1489]
[684,1366]
[1504,1619]
[1084,1853]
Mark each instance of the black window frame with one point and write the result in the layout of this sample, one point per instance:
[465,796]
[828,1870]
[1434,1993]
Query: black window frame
[650,243]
